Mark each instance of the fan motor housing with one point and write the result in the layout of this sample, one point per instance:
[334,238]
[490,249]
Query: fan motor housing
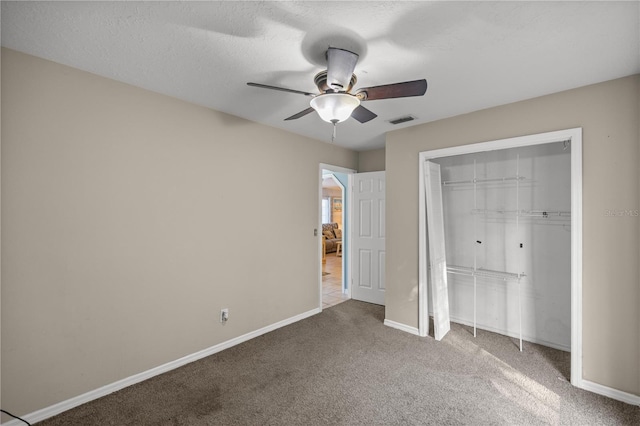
[321,82]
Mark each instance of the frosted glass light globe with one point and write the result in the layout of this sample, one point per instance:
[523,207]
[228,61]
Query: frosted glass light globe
[335,107]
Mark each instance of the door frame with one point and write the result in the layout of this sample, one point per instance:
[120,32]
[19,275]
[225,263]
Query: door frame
[575,136]
[346,204]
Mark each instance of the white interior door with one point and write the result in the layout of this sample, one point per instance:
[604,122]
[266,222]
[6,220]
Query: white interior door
[368,237]
[437,258]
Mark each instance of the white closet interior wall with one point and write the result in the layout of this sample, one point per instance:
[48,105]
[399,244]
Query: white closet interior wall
[485,224]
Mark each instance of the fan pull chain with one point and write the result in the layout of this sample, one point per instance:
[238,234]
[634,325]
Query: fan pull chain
[333,136]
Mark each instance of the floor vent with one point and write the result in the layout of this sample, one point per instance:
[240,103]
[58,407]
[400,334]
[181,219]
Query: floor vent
[402,119]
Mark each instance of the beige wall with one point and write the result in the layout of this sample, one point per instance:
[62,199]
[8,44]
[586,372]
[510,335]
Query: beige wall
[371,161]
[119,244]
[609,114]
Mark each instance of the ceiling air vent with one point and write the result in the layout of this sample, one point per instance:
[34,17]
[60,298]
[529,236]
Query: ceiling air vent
[402,119]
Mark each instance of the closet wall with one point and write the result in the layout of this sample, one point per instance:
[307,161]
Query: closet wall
[515,218]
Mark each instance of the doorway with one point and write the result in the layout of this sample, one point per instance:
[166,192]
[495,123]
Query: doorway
[572,136]
[333,233]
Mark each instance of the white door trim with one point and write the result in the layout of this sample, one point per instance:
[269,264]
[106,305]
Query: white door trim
[345,202]
[575,135]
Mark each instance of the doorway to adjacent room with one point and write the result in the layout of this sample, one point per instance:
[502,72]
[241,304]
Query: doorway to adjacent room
[333,235]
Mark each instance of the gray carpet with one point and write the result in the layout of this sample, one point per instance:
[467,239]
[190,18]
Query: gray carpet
[344,367]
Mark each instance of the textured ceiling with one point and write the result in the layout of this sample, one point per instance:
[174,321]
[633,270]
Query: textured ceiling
[474,55]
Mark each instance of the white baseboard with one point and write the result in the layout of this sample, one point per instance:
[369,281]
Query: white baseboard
[403,327]
[60,407]
[618,395]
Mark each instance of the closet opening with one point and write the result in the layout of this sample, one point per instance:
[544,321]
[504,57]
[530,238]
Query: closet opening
[511,229]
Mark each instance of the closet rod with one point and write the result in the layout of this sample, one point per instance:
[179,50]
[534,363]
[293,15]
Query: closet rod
[475,180]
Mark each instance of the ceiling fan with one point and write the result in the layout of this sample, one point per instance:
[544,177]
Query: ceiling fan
[335,102]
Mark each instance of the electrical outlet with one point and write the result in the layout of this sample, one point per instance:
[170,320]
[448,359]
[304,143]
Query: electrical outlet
[224,315]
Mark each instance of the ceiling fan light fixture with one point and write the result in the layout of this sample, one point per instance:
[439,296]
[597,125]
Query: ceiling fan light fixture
[335,107]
